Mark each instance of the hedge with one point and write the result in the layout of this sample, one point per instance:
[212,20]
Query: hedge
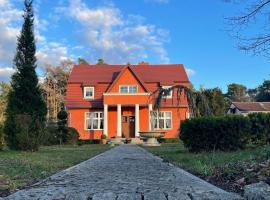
[215,133]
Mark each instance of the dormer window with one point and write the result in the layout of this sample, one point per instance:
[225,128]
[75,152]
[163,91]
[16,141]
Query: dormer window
[88,92]
[124,89]
[169,95]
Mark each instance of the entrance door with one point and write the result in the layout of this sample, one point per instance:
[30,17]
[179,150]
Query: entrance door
[128,126]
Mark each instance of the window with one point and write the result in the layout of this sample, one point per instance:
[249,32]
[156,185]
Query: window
[94,120]
[88,92]
[162,120]
[170,93]
[128,89]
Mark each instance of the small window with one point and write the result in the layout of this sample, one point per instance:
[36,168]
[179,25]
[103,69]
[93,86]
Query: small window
[128,89]
[89,92]
[169,95]
[124,89]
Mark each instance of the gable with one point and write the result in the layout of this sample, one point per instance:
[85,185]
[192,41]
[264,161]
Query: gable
[126,77]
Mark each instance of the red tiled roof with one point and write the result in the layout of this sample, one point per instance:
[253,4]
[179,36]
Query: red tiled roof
[92,74]
[252,106]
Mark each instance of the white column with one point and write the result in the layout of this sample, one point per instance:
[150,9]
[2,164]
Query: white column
[119,121]
[105,120]
[150,108]
[137,120]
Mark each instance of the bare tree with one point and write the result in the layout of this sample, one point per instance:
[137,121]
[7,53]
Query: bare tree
[251,27]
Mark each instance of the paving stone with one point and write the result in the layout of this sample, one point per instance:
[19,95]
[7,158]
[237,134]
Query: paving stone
[124,172]
[257,191]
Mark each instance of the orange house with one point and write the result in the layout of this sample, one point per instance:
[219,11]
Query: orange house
[116,100]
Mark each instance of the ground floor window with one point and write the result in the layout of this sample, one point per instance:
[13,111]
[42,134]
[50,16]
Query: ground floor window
[94,120]
[162,120]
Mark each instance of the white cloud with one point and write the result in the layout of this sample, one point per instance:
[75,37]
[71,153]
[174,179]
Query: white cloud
[114,38]
[5,73]
[190,72]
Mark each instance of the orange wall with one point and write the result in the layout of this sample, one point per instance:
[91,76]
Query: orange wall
[77,121]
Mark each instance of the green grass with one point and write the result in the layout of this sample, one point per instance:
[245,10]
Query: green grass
[203,164]
[22,168]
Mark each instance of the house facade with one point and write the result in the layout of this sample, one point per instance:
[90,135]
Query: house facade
[116,100]
[244,108]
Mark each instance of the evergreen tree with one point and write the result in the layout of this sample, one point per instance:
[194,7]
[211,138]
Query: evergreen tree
[25,97]
[82,61]
[101,62]
[263,91]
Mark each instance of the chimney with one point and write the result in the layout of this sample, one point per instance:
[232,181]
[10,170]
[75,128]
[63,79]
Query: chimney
[143,63]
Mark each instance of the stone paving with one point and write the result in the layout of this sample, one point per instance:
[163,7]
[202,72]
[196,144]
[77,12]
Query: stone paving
[126,172]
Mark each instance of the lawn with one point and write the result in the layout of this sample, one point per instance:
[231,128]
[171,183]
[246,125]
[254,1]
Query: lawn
[18,169]
[229,170]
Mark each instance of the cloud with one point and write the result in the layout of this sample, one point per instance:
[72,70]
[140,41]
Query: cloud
[190,72]
[5,73]
[116,38]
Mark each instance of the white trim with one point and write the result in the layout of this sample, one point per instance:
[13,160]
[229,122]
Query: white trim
[137,120]
[164,121]
[123,94]
[166,87]
[128,88]
[119,121]
[105,119]
[99,119]
[84,92]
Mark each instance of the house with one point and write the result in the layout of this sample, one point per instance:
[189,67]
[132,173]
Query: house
[117,99]
[245,108]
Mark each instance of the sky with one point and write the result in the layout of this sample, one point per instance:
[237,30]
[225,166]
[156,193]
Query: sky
[192,33]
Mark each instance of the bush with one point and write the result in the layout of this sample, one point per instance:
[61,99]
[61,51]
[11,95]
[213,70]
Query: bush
[2,141]
[72,136]
[29,132]
[215,133]
[260,128]
[91,141]
[50,134]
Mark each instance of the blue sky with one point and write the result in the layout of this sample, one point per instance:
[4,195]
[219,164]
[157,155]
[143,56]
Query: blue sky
[120,31]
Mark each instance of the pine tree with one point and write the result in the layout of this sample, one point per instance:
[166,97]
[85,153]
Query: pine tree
[25,97]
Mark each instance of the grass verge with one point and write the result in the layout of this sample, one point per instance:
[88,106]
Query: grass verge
[229,170]
[19,169]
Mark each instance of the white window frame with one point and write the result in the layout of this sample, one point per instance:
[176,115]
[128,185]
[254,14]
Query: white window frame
[171,92]
[128,89]
[93,92]
[164,120]
[86,117]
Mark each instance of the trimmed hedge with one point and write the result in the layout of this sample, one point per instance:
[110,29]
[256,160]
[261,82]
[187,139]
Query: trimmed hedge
[215,133]
[260,128]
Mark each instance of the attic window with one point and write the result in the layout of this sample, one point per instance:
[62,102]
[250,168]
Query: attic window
[128,89]
[88,92]
[170,93]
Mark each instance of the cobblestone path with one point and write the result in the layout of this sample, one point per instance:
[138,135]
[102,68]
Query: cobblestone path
[126,172]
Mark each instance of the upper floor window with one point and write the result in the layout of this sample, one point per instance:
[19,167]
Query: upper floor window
[169,95]
[88,92]
[128,89]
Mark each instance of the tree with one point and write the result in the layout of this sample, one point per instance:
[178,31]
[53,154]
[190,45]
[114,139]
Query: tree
[256,17]
[4,91]
[237,92]
[54,87]
[62,125]
[101,62]
[216,102]
[25,96]
[82,61]
[263,91]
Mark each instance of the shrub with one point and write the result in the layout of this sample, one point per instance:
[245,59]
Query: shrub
[91,141]
[102,137]
[50,134]
[260,128]
[215,133]
[72,136]
[30,132]
[2,141]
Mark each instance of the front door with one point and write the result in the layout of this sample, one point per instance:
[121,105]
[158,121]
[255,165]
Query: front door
[128,126]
